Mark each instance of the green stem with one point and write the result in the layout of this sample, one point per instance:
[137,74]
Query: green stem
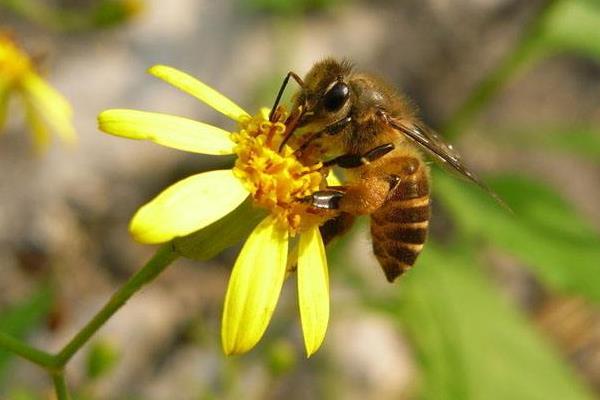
[489,87]
[60,386]
[161,260]
[22,349]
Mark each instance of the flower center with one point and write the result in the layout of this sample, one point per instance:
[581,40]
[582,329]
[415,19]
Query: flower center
[13,62]
[276,180]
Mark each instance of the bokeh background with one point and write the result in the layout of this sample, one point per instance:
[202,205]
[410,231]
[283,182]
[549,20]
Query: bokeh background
[499,306]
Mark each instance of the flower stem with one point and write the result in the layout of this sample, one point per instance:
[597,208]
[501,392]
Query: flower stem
[162,259]
[60,386]
[22,349]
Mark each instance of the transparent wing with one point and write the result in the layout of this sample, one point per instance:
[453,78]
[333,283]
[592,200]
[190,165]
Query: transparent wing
[434,145]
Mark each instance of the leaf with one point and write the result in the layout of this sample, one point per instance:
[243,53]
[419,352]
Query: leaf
[226,232]
[101,359]
[572,25]
[581,142]
[470,343]
[584,141]
[21,318]
[561,248]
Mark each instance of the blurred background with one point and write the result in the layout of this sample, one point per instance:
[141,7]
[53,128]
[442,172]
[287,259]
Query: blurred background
[499,306]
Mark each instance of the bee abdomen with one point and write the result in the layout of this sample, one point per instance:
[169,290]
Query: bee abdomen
[399,227]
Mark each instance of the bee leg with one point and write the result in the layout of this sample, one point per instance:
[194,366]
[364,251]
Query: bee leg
[357,160]
[336,226]
[328,199]
[358,198]
[337,126]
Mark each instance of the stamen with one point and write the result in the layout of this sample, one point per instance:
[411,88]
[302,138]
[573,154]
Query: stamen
[273,175]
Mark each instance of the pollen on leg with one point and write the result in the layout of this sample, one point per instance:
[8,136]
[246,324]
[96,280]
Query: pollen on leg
[275,179]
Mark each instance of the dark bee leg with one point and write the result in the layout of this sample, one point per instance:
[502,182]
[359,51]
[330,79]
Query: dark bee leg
[329,199]
[336,226]
[289,75]
[330,130]
[337,126]
[366,195]
[357,160]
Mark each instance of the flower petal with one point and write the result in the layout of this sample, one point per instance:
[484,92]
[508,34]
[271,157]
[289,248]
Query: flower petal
[254,287]
[50,105]
[167,130]
[313,289]
[4,95]
[333,180]
[39,131]
[187,206]
[199,90]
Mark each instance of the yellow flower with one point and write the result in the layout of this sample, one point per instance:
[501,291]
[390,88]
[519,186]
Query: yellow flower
[275,181]
[45,108]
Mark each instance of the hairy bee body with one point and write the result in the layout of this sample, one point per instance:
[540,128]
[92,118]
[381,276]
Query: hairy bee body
[399,226]
[355,121]
[394,191]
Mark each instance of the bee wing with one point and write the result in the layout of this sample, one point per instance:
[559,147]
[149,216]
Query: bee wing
[434,145]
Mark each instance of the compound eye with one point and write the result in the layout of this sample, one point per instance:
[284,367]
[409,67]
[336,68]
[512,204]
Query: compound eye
[336,97]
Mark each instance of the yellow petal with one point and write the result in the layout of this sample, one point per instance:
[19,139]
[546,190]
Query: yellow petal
[333,180]
[313,289]
[187,206]
[167,130]
[199,90]
[39,131]
[4,94]
[50,105]
[254,287]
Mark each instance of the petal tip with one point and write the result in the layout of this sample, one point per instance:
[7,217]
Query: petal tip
[156,68]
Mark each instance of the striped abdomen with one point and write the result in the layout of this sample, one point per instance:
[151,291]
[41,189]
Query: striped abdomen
[399,227]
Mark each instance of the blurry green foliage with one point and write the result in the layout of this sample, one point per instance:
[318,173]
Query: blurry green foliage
[470,343]
[582,142]
[102,13]
[545,232]
[108,13]
[572,26]
[288,7]
[101,359]
[21,318]
[578,141]
[23,394]
[281,357]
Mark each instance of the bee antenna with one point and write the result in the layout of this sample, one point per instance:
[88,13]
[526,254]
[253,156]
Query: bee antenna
[289,75]
[290,126]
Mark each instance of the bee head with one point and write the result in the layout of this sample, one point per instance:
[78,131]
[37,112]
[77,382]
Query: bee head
[326,95]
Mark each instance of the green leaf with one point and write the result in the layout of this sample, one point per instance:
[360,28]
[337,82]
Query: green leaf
[294,8]
[470,344]
[584,142]
[544,231]
[21,318]
[101,359]
[572,25]
[226,232]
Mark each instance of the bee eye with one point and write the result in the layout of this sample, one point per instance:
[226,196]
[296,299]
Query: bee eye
[336,97]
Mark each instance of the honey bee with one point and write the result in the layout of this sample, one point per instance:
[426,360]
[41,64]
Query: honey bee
[355,121]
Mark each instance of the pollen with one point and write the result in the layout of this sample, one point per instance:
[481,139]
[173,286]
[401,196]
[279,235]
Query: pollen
[276,180]
[14,63]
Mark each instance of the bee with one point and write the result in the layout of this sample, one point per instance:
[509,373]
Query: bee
[355,121]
